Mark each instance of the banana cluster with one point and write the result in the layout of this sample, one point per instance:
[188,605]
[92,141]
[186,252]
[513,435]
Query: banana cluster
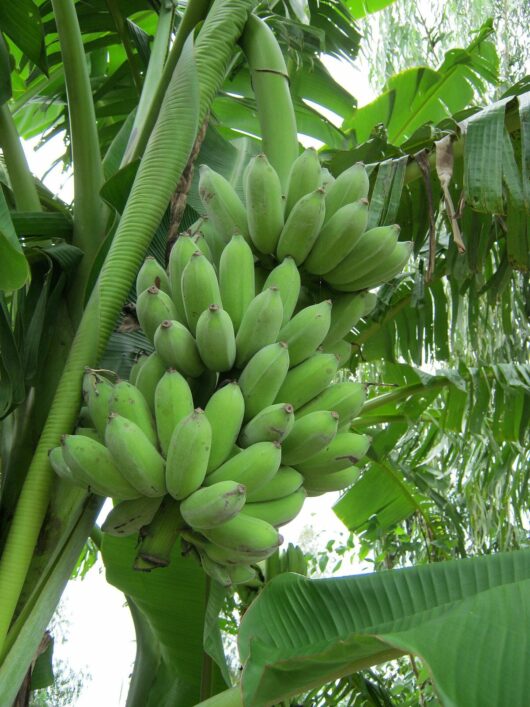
[236,415]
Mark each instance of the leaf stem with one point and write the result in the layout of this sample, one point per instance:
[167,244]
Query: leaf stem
[228,698]
[22,182]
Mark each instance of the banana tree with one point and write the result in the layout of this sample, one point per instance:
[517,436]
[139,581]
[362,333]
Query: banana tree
[213,86]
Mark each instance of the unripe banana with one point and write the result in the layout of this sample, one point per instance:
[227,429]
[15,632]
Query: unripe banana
[219,573]
[183,248]
[152,273]
[309,436]
[263,196]
[216,340]
[244,534]
[306,331]
[126,400]
[337,238]
[97,392]
[272,424]
[231,557]
[305,176]
[286,277]
[342,350]
[302,227]
[173,402]
[260,325]
[93,467]
[153,306]
[277,512]
[346,312]
[135,456]
[188,454]
[135,369]
[177,348]
[200,288]
[203,387]
[223,206]
[241,574]
[286,481]
[214,240]
[317,484]
[346,449]
[128,517]
[212,505]
[159,537]
[391,266]
[88,432]
[353,184]
[372,248]
[370,302]
[326,178]
[253,467]
[202,244]
[263,376]
[61,468]
[237,278]
[346,399]
[148,377]
[293,560]
[225,413]
[308,379]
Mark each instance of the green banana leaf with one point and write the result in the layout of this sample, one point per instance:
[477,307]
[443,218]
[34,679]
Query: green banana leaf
[469,621]
[361,8]
[171,612]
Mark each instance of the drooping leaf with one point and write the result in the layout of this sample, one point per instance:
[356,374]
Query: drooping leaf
[21,21]
[14,268]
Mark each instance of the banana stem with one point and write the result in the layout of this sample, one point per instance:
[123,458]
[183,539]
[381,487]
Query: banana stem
[160,536]
[270,82]
[22,182]
[228,698]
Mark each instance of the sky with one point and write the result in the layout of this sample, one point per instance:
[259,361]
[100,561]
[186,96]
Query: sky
[98,624]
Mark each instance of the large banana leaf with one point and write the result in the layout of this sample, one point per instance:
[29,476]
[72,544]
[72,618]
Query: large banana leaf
[469,620]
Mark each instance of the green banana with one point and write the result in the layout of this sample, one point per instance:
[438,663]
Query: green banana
[372,248]
[260,325]
[286,277]
[61,468]
[148,377]
[224,411]
[126,400]
[309,435]
[342,350]
[346,312]
[223,206]
[216,340]
[213,505]
[135,456]
[177,348]
[88,432]
[337,238]
[237,280]
[214,240]
[279,511]
[286,481]
[293,560]
[305,176]
[344,450]
[346,399]
[200,288]
[263,376]
[306,331]
[188,454]
[308,379]
[135,369]
[180,255]
[152,273]
[128,517]
[302,227]
[231,557]
[244,534]
[219,573]
[153,306]
[370,302]
[272,424]
[316,485]
[254,467]
[263,196]
[326,178]
[173,402]
[390,266]
[202,244]
[353,184]
[93,467]
[97,392]
[241,574]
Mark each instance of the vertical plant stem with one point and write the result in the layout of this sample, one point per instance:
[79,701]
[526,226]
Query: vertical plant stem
[22,182]
[270,82]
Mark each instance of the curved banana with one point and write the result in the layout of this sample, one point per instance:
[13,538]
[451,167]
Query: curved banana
[61,468]
[305,176]
[337,238]
[302,227]
[97,392]
[308,379]
[346,312]
[173,402]
[224,411]
[128,517]
[148,377]
[260,325]
[200,288]
[153,306]
[342,350]
[285,482]
[216,340]
[244,534]
[180,255]
[212,505]
[286,277]
[272,424]
[279,511]
[353,184]
[215,243]
[177,348]
[223,206]
[188,454]
[126,400]
[237,280]
[135,368]
[254,467]
[310,434]
[316,484]
[263,376]
[392,265]
[216,571]
[263,196]
[231,557]
[306,331]
[152,273]
[202,244]
[137,459]
[343,451]
[370,302]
